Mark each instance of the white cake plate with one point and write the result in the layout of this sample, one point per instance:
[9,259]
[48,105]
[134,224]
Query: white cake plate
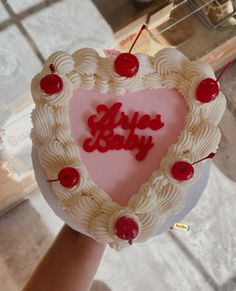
[193,195]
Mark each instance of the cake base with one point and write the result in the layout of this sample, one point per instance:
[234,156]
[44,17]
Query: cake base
[191,198]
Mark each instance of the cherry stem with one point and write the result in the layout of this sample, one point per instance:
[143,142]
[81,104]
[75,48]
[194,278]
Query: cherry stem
[130,242]
[56,180]
[52,68]
[223,70]
[53,180]
[141,30]
[210,156]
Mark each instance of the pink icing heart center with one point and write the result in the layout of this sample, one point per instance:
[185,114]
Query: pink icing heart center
[122,150]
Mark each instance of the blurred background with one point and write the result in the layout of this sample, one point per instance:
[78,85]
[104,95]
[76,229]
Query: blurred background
[204,258]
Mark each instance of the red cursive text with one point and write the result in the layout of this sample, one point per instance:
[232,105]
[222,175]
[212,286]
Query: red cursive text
[104,138]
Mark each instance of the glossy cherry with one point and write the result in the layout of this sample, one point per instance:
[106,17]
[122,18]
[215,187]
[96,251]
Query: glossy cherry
[68,177]
[127,64]
[183,171]
[208,89]
[51,83]
[126,228]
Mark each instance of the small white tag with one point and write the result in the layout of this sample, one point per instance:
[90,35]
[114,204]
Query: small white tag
[181,226]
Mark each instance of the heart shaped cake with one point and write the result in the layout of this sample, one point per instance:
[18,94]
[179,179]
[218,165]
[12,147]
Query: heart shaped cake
[120,150]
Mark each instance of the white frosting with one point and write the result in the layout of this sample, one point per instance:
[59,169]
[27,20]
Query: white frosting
[214,110]
[75,79]
[35,140]
[153,81]
[198,69]
[104,68]
[168,62]
[63,63]
[145,201]
[145,64]
[88,205]
[86,61]
[43,122]
[206,139]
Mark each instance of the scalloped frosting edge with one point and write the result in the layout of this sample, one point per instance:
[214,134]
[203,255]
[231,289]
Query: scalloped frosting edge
[87,204]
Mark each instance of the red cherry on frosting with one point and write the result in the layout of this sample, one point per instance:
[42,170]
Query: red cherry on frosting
[126,65]
[207,90]
[68,177]
[126,228]
[182,171]
[51,83]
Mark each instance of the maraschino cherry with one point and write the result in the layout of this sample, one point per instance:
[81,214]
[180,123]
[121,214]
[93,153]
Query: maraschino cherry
[183,171]
[68,177]
[126,228]
[208,89]
[51,83]
[127,64]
